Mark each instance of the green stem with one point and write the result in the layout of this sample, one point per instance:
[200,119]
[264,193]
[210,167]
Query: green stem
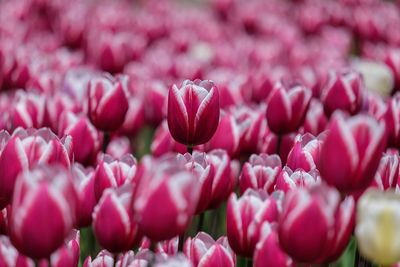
[106,141]
[249,262]
[201,222]
[190,149]
[181,241]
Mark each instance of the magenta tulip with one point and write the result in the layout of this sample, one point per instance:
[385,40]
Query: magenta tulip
[27,148]
[288,180]
[351,152]
[107,103]
[388,173]
[316,121]
[203,251]
[113,220]
[315,227]
[287,108]
[260,172]
[244,217]
[40,194]
[343,91]
[193,112]
[305,153]
[391,118]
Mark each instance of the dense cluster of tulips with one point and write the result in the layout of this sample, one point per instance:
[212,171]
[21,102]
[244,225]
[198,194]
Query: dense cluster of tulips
[199,134]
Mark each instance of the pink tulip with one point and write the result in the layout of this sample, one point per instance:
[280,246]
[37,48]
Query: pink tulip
[315,227]
[28,110]
[269,144]
[113,220]
[84,183]
[244,217]
[268,251]
[107,103]
[343,91]
[168,184]
[260,172]
[85,137]
[387,175]
[391,118]
[392,60]
[113,173]
[225,176]
[351,152]
[203,251]
[198,165]
[163,142]
[27,148]
[40,194]
[316,121]
[193,112]
[106,259]
[288,180]
[118,147]
[10,257]
[135,116]
[68,254]
[305,153]
[287,108]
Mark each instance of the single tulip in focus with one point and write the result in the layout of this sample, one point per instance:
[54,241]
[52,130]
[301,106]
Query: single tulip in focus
[107,103]
[168,185]
[193,112]
[287,108]
[44,202]
[343,91]
[377,230]
[113,173]
[203,251]
[351,152]
[24,150]
[268,251]
[315,227]
[244,217]
[113,220]
[260,172]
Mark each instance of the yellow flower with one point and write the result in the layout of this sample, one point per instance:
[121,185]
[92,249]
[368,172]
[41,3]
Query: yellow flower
[378,227]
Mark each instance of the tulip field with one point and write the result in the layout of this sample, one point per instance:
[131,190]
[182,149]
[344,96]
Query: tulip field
[208,133]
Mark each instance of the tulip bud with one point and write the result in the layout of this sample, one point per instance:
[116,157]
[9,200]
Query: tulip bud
[269,144]
[167,184]
[28,110]
[392,60]
[27,148]
[268,251]
[84,183]
[113,173]
[42,193]
[9,256]
[107,103]
[288,180]
[315,122]
[225,174]
[68,254]
[244,217]
[305,153]
[85,137]
[351,152]
[377,229]
[167,247]
[134,118]
[193,112]
[203,251]
[113,222]
[343,91]
[260,172]
[198,165]
[164,143]
[387,175]
[391,118]
[287,108]
[118,147]
[314,226]
[106,259]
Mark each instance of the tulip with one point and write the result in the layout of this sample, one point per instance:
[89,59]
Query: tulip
[113,173]
[387,175]
[351,152]
[85,137]
[225,173]
[197,164]
[244,217]
[84,183]
[9,256]
[28,110]
[288,180]
[315,122]
[305,153]
[377,227]
[203,251]
[271,144]
[287,108]
[167,247]
[113,220]
[268,251]
[164,143]
[392,60]
[315,227]
[68,254]
[155,102]
[391,118]
[106,259]
[193,112]
[260,172]
[42,192]
[107,103]
[134,118]
[118,147]
[167,184]
[24,150]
